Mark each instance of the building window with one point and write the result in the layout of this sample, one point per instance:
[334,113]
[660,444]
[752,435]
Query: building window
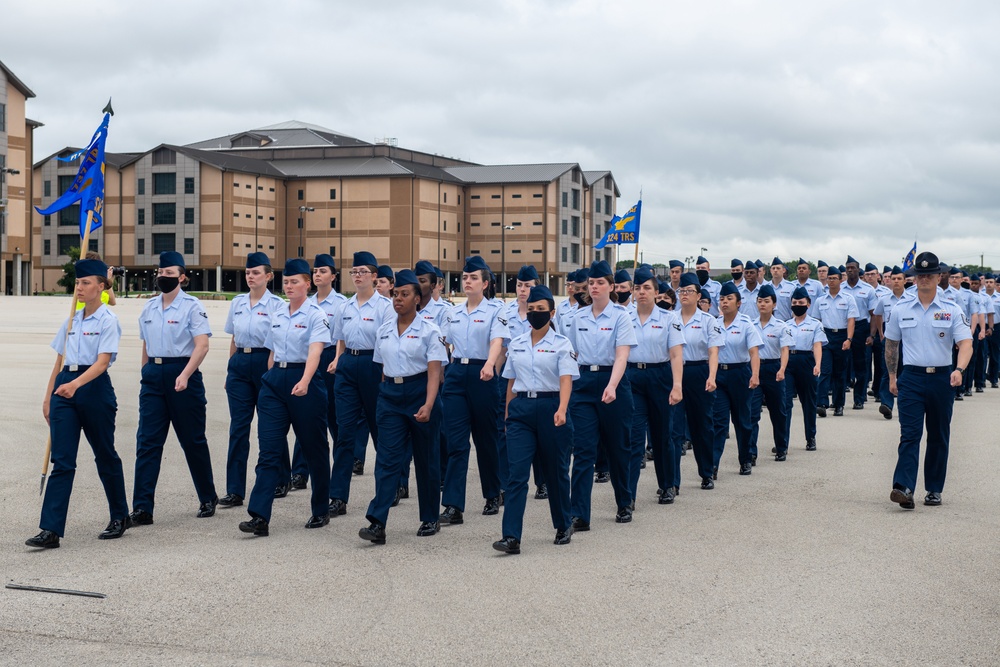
[537,223]
[565,199]
[67,241]
[576,200]
[64,183]
[48,220]
[165,214]
[92,245]
[140,218]
[188,216]
[69,217]
[565,227]
[47,188]
[165,184]
[235,184]
[141,249]
[537,251]
[333,251]
[3,117]
[537,195]
[495,252]
[188,246]
[164,156]
[564,253]
[445,197]
[475,196]
[248,215]
[494,224]
[333,223]
[260,187]
[460,228]
[607,203]
[235,214]
[576,176]
[475,224]
[249,187]
[302,195]
[597,205]
[494,196]
[516,251]
[272,190]
[576,225]
[333,193]
[164,243]
[597,232]
[459,200]
[189,185]
[299,223]
[444,253]
[445,222]
[515,196]
[607,182]
[48,247]
[575,253]
[140,186]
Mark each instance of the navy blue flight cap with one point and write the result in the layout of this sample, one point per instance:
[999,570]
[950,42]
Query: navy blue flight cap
[599,269]
[752,265]
[801,262]
[820,264]
[664,286]
[439,273]
[690,280]
[870,267]
[954,271]
[296,267]
[705,295]
[801,293]
[86,268]
[895,270]
[406,277]
[886,269]
[643,275]
[257,259]
[833,271]
[733,264]
[851,259]
[842,268]
[646,265]
[171,258]
[526,273]
[776,262]
[767,290]
[384,271]
[701,260]
[676,264]
[539,293]
[364,258]
[759,264]
[989,276]
[325,260]
[729,288]
[473,263]
[422,268]
[622,276]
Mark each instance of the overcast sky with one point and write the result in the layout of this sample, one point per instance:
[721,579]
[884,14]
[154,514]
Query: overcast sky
[754,129]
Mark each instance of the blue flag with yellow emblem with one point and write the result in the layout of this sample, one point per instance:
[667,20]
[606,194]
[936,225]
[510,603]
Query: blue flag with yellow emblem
[910,256]
[87,187]
[624,229]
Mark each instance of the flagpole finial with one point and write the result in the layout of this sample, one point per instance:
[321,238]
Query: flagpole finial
[108,109]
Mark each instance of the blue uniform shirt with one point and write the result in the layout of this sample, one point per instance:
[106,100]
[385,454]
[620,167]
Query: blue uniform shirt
[292,334]
[470,334]
[97,334]
[775,336]
[814,287]
[654,337]
[249,324]
[700,333]
[539,367]
[515,324]
[435,312]
[834,311]
[740,335]
[358,325]
[171,332]
[564,315]
[864,295]
[713,287]
[330,306]
[928,335]
[748,300]
[886,303]
[806,334]
[597,338]
[406,354]
[783,296]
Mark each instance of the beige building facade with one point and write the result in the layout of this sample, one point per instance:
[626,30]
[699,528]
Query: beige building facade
[15,183]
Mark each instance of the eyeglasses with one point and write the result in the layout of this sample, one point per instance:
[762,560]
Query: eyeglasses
[688,291]
[359,272]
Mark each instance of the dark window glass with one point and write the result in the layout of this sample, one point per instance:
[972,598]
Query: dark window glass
[188,216]
[67,241]
[188,246]
[189,185]
[141,248]
[165,214]
[165,184]
[140,188]
[47,188]
[141,219]
[164,243]
[70,217]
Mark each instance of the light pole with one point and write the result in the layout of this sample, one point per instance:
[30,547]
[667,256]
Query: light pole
[503,257]
[302,223]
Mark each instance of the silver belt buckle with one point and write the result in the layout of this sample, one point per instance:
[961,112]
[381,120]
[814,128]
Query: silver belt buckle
[835,330]
[247,350]
[594,369]
[641,365]
[74,368]
[282,364]
[158,360]
[532,394]
[464,361]
[397,380]
[930,369]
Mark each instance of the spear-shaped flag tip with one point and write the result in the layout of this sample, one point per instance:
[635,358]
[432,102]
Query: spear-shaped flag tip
[108,109]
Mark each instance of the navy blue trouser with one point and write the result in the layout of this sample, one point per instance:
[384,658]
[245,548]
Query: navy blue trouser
[651,396]
[861,360]
[532,436]
[977,367]
[877,363]
[242,387]
[471,406]
[732,401]
[536,467]
[356,394]
[699,409]
[800,381]
[159,408]
[993,347]
[299,464]
[833,370]
[885,396]
[593,421]
[924,396]
[398,434]
[277,409]
[361,435]
[92,409]
[771,392]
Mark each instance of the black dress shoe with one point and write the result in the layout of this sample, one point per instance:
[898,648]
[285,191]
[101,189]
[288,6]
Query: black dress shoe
[492,506]
[821,411]
[859,406]
[428,528]
[298,482]
[684,452]
[885,411]
[811,445]
[667,497]
[373,533]
[932,499]
[903,496]
[206,510]
[44,540]
[774,450]
[781,456]
[707,483]
[337,507]
[871,393]
[979,390]
[358,468]
[231,500]
[508,545]
[318,521]
[397,498]
[687,445]
[404,492]
[115,529]
[753,460]
[580,526]
[677,491]
[281,490]
[746,468]
[452,515]
[958,397]
[649,453]
[563,536]
[994,385]
[141,518]
[255,525]
[602,477]
[541,492]
[715,473]
[838,412]
[642,463]
[968,394]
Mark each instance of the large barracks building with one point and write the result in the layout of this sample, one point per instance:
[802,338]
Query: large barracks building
[295,189]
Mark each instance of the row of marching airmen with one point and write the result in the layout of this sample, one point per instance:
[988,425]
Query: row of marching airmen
[628,368]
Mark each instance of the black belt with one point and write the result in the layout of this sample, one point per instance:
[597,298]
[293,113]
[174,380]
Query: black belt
[642,364]
[252,350]
[75,368]
[834,330]
[930,370]
[538,394]
[407,379]
[800,352]
[289,364]
[770,361]
[359,353]
[703,362]
[731,367]
[465,361]
[169,360]
[596,369]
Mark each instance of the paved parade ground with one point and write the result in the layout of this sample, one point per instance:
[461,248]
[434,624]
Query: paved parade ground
[805,562]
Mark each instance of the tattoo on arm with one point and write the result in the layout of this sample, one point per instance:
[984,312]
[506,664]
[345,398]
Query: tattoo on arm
[891,355]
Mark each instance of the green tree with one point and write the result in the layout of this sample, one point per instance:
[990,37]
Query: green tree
[69,270]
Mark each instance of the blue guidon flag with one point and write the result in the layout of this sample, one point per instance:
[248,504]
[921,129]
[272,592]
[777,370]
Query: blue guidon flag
[910,256]
[624,229]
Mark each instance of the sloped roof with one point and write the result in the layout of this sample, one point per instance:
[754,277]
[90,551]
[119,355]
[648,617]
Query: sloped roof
[360,166]
[593,177]
[116,160]
[511,173]
[228,161]
[288,134]
[17,83]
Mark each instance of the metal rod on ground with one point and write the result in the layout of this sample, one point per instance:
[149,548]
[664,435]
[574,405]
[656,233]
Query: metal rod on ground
[62,591]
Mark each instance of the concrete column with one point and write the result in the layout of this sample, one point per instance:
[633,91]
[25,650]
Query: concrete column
[218,278]
[17,275]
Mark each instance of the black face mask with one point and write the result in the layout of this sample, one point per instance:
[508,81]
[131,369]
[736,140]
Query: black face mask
[702,276]
[621,297]
[800,310]
[737,276]
[167,284]
[967,285]
[665,305]
[581,298]
[538,318]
